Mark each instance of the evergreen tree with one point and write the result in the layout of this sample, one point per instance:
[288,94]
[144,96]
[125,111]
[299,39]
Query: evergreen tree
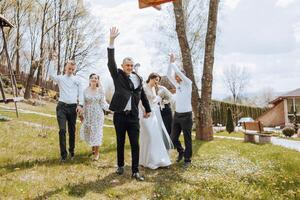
[296,127]
[229,122]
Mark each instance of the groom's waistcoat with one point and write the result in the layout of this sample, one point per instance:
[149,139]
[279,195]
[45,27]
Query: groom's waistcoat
[124,88]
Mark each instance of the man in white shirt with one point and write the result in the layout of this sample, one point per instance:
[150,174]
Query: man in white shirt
[183,112]
[70,103]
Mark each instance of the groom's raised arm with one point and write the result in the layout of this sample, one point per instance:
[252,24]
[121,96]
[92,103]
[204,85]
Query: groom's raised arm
[112,66]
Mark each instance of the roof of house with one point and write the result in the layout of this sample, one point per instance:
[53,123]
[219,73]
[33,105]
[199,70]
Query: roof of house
[293,93]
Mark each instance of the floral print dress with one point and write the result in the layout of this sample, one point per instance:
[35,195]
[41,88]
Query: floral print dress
[91,130]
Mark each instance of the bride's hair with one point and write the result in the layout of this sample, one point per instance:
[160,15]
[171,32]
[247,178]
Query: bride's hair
[153,76]
[93,74]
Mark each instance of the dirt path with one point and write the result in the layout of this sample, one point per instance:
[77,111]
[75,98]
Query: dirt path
[290,144]
[42,114]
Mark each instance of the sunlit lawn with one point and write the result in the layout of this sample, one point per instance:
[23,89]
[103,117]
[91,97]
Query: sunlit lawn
[233,134]
[221,169]
[47,108]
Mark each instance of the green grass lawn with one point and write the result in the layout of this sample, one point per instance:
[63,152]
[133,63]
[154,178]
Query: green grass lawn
[221,169]
[48,108]
[233,134]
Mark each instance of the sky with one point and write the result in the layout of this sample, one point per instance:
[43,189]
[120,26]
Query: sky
[261,35]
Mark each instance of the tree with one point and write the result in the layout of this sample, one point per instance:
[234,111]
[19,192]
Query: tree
[201,109]
[186,56]
[229,121]
[265,96]
[34,66]
[236,79]
[49,33]
[206,129]
[296,126]
[195,20]
[45,11]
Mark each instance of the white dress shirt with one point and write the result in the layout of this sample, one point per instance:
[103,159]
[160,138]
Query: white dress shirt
[70,89]
[136,81]
[183,95]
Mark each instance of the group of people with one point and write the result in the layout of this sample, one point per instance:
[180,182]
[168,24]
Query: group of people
[140,109]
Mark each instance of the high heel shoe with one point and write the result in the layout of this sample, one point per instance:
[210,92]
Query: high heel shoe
[96,157]
[91,154]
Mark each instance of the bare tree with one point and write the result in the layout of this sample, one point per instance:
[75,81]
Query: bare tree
[263,98]
[206,129]
[203,118]
[22,8]
[236,79]
[45,6]
[33,19]
[195,18]
[186,54]
[47,34]
[267,95]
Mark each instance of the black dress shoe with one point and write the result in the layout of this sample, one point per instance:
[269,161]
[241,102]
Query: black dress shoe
[179,157]
[186,165]
[62,160]
[120,170]
[138,177]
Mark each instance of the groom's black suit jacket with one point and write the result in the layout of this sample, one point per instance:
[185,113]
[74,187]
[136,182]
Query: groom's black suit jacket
[124,88]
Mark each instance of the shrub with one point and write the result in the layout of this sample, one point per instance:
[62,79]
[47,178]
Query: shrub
[295,122]
[4,119]
[288,131]
[19,86]
[6,81]
[229,122]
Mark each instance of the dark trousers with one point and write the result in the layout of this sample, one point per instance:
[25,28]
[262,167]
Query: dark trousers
[127,122]
[167,117]
[183,122]
[66,113]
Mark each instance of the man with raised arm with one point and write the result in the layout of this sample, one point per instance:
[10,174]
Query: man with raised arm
[124,103]
[183,112]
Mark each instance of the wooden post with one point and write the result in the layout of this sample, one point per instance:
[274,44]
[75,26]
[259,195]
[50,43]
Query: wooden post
[12,76]
[2,90]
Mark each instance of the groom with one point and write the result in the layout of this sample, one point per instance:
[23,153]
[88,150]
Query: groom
[124,103]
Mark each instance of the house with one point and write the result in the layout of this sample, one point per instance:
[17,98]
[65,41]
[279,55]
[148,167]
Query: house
[282,110]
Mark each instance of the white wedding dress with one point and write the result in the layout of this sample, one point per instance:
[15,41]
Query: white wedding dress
[154,138]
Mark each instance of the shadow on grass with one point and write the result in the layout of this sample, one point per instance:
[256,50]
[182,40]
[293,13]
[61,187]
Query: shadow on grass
[80,190]
[166,179]
[24,165]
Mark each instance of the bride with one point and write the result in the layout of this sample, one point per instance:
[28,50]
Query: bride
[154,138]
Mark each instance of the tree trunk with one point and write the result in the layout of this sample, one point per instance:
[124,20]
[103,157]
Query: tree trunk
[187,58]
[59,37]
[33,68]
[18,39]
[206,129]
[39,75]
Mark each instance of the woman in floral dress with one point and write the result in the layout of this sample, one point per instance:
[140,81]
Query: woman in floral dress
[93,115]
